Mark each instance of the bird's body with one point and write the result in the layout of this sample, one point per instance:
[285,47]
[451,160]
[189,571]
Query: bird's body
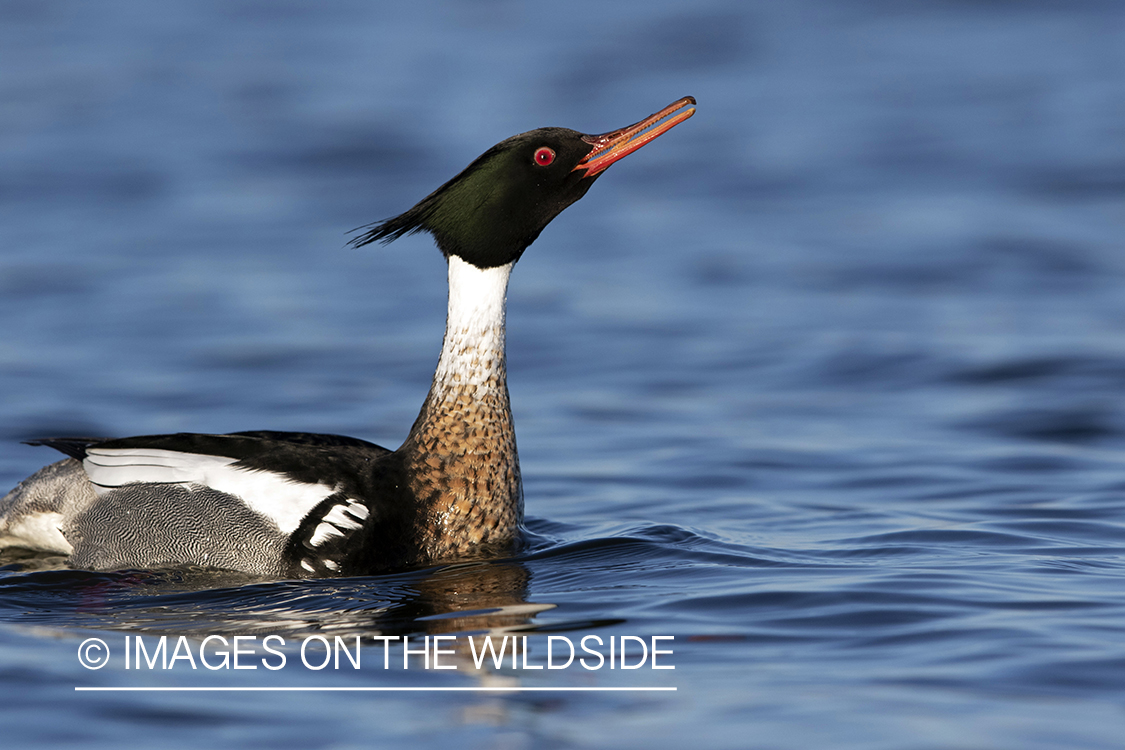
[297,504]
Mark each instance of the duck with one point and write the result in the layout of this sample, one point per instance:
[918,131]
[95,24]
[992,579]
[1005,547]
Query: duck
[299,505]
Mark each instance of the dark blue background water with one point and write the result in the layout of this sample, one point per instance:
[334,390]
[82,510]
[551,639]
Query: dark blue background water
[826,383]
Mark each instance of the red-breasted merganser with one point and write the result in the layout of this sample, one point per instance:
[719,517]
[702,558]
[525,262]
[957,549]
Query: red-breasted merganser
[297,504]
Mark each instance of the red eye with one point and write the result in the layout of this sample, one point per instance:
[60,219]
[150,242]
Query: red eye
[544,156]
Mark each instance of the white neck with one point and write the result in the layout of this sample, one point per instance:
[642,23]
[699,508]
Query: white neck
[473,351]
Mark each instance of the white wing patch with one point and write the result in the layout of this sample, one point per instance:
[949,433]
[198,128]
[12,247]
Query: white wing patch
[275,496]
[109,468]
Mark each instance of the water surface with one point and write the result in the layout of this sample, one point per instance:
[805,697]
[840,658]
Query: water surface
[825,384]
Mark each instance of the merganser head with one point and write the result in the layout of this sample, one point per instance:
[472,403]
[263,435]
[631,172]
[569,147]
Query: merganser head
[496,207]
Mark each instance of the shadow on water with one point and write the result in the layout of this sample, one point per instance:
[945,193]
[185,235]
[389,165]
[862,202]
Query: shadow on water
[469,597]
[457,598]
[477,597]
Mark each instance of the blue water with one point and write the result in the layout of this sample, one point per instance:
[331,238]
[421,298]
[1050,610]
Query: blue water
[826,383]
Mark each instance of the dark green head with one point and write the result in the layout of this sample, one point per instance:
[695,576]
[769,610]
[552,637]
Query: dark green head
[497,206]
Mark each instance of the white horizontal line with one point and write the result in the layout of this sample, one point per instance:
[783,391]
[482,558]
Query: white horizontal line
[489,689]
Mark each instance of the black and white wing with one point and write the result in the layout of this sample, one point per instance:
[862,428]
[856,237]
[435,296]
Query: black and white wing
[327,535]
[282,500]
[193,498]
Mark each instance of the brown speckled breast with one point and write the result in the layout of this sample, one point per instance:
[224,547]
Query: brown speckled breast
[463,469]
[456,478]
